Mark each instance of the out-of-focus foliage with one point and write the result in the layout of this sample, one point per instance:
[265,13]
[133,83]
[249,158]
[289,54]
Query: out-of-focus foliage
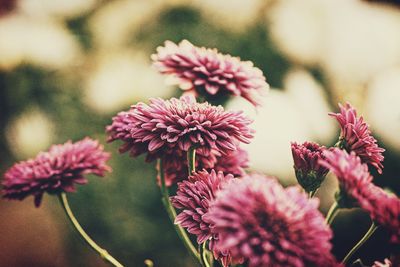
[67,67]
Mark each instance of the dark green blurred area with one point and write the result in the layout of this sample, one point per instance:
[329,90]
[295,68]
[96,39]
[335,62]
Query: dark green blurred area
[123,211]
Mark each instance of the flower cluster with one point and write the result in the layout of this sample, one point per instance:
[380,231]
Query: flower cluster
[356,136]
[248,219]
[262,224]
[209,73]
[170,126]
[309,173]
[55,171]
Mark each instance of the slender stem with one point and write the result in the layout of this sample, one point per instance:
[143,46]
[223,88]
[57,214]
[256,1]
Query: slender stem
[191,158]
[102,252]
[367,235]
[172,214]
[333,211]
[203,252]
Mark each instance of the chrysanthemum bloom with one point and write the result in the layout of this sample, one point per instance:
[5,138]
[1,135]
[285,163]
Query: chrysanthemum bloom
[55,171]
[208,72]
[356,136]
[165,126]
[264,224]
[234,162]
[309,173]
[352,174]
[383,208]
[356,184]
[193,198]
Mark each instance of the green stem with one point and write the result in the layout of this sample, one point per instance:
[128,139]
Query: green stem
[333,211]
[172,215]
[367,235]
[191,158]
[102,252]
[203,252]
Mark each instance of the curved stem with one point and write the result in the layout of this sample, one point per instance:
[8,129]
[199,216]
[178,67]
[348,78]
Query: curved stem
[367,235]
[191,158]
[333,211]
[102,252]
[203,252]
[172,214]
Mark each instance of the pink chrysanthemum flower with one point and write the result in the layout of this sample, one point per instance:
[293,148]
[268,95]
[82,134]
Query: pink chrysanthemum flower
[208,72]
[263,224]
[193,198]
[352,174]
[356,182]
[383,208]
[55,171]
[309,173]
[234,162]
[356,136]
[165,126]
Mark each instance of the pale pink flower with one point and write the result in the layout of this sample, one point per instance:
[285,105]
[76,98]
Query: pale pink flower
[356,136]
[166,126]
[55,171]
[208,72]
[263,224]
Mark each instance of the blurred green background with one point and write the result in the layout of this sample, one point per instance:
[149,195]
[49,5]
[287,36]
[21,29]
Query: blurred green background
[67,67]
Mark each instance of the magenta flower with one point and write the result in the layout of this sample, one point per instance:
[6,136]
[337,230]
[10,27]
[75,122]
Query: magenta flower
[193,197]
[263,224]
[356,183]
[55,171]
[352,174]
[208,72]
[309,173]
[356,136]
[165,126]
[384,209]
[234,162]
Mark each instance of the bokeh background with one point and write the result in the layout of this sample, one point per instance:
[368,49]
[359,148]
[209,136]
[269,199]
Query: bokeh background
[68,66]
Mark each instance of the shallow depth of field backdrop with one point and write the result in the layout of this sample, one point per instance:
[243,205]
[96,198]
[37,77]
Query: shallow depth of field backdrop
[68,66]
